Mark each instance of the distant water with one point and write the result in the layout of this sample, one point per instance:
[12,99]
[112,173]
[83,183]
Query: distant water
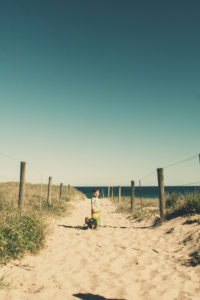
[146,191]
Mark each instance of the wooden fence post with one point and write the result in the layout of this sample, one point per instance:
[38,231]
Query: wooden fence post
[132,193]
[119,194]
[61,191]
[108,192]
[102,193]
[112,192]
[22,185]
[161,190]
[40,196]
[140,189]
[49,191]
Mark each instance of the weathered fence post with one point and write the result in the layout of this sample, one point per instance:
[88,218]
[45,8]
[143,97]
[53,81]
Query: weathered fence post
[40,196]
[61,192]
[161,190]
[112,192]
[119,194]
[108,192]
[22,185]
[132,193]
[140,189]
[102,193]
[49,191]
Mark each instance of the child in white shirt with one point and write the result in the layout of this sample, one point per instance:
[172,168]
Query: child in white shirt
[95,206]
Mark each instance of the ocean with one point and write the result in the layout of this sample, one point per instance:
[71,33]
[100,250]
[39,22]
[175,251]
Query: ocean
[145,191]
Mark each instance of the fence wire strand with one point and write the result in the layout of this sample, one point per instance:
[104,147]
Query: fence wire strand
[172,165]
[148,175]
[9,157]
[56,179]
[180,162]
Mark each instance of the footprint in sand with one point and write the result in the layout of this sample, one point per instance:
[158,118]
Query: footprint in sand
[154,273]
[146,287]
[35,289]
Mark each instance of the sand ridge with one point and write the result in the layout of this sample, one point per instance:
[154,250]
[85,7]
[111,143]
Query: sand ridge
[121,260]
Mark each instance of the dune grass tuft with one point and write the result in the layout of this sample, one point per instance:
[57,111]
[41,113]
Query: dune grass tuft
[182,205]
[145,209]
[24,232]
[3,283]
[195,258]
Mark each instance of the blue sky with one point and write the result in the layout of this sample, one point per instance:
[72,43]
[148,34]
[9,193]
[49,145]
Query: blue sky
[100,92]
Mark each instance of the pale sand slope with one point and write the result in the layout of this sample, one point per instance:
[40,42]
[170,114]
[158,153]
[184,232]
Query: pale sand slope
[120,261]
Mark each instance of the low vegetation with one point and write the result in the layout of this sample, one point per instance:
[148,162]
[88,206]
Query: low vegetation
[3,282]
[18,234]
[176,205]
[180,205]
[25,231]
[145,208]
[195,258]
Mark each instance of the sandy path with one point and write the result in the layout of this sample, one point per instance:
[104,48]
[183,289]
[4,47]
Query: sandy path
[118,261]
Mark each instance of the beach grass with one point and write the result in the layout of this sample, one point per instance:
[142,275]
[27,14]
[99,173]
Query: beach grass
[22,232]
[176,205]
[143,208]
[182,205]
[3,282]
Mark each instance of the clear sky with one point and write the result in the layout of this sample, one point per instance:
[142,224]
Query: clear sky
[100,92]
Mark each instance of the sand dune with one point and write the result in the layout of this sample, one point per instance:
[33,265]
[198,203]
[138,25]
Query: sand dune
[121,260]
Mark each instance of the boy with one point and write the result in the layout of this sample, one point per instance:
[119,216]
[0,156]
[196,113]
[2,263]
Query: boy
[95,206]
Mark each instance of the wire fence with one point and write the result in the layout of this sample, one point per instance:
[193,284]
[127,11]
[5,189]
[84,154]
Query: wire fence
[26,186]
[140,195]
[150,191]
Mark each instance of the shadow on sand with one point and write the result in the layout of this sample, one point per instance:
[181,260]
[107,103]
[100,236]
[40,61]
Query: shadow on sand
[125,227]
[75,227]
[93,297]
[105,226]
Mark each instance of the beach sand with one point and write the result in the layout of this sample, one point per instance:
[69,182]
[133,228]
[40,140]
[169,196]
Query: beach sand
[123,259]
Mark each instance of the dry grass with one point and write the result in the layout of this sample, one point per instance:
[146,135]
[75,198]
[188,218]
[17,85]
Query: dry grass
[3,283]
[143,208]
[36,198]
[25,231]
[176,205]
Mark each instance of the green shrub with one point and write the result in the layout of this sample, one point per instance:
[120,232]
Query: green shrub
[20,234]
[185,205]
[171,200]
[192,204]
